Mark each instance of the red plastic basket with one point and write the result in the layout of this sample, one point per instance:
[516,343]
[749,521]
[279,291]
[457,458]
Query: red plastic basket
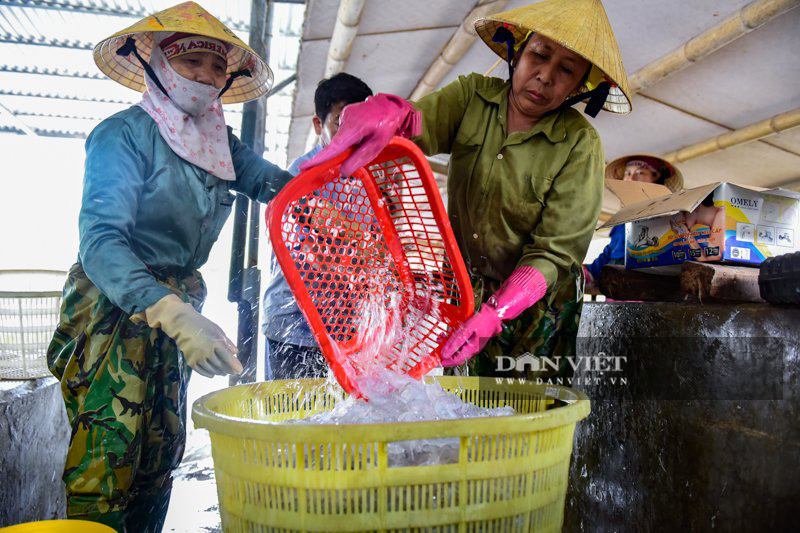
[372,262]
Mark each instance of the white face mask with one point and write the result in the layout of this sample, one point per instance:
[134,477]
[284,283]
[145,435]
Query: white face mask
[190,120]
[190,96]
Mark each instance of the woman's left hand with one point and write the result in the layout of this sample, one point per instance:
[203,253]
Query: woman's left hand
[368,127]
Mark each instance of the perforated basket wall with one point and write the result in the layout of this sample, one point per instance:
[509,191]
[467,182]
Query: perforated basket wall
[28,319]
[509,473]
[370,255]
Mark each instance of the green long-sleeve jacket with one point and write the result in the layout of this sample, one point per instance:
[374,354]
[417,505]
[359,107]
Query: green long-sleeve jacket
[529,198]
[146,208]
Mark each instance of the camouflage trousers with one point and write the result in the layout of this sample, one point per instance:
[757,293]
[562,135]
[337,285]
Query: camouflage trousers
[548,329]
[124,387]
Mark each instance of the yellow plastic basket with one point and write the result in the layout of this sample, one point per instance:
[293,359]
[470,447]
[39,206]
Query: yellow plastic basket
[58,526]
[510,475]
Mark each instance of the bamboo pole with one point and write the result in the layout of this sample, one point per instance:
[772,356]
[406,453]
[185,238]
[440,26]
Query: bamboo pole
[740,23]
[750,133]
[345,30]
[455,48]
[348,18]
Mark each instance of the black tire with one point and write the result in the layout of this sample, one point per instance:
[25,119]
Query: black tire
[779,279]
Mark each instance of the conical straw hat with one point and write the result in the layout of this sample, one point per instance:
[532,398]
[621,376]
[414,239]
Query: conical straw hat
[188,17]
[674,181]
[580,25]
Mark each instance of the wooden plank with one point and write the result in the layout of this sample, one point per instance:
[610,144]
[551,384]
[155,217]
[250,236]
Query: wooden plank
[695,282]
[711,283]
[638,285]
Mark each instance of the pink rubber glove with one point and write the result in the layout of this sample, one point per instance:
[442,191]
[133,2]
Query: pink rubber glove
[369,126]
[522,289]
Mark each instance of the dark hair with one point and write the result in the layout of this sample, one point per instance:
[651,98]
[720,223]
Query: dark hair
[341,87]
[520,49]
[664,172]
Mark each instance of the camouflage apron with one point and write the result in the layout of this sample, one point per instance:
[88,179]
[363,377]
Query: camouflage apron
[549,329]
[124,387]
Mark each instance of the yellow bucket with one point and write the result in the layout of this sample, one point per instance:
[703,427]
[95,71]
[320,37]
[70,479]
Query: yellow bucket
[510,473]
[58,526]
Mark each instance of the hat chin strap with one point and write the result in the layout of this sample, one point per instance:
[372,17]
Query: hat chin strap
[233,76]
[597,97]
[504,35]
[130,47]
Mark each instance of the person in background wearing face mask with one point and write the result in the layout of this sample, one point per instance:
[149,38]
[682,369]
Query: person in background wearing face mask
[291,349]
[638,167]
[525,179]
[157,191]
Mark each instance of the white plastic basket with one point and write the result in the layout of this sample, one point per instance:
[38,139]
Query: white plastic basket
[29,309]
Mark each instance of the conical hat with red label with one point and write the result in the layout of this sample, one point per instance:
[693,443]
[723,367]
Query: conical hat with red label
[191,18]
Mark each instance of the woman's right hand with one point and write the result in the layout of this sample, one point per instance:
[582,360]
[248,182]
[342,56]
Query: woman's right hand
[523,288]
[368,127]
[204,345]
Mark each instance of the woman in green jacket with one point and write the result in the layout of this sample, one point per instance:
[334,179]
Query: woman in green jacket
[525,180]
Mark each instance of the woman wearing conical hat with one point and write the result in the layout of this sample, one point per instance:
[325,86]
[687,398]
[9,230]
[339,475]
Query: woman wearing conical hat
[157,191]
[525,179]
[635,167]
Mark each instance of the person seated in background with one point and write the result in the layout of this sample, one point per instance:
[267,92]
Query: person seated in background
[645,168]
[291,350]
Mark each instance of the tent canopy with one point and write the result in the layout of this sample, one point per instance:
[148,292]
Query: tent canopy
[751,76]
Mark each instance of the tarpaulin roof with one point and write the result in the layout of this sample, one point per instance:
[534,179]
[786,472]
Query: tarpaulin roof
[750,79]
[49,84]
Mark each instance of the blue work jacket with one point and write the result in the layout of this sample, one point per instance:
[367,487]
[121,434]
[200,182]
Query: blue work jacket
[145,209]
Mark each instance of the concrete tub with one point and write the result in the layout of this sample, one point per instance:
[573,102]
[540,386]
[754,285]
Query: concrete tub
[704,433]
[34,434]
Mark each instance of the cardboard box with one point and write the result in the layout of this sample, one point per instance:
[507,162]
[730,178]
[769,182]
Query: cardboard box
[719,222]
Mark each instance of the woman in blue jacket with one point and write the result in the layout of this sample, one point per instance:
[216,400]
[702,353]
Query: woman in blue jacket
[158,187]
